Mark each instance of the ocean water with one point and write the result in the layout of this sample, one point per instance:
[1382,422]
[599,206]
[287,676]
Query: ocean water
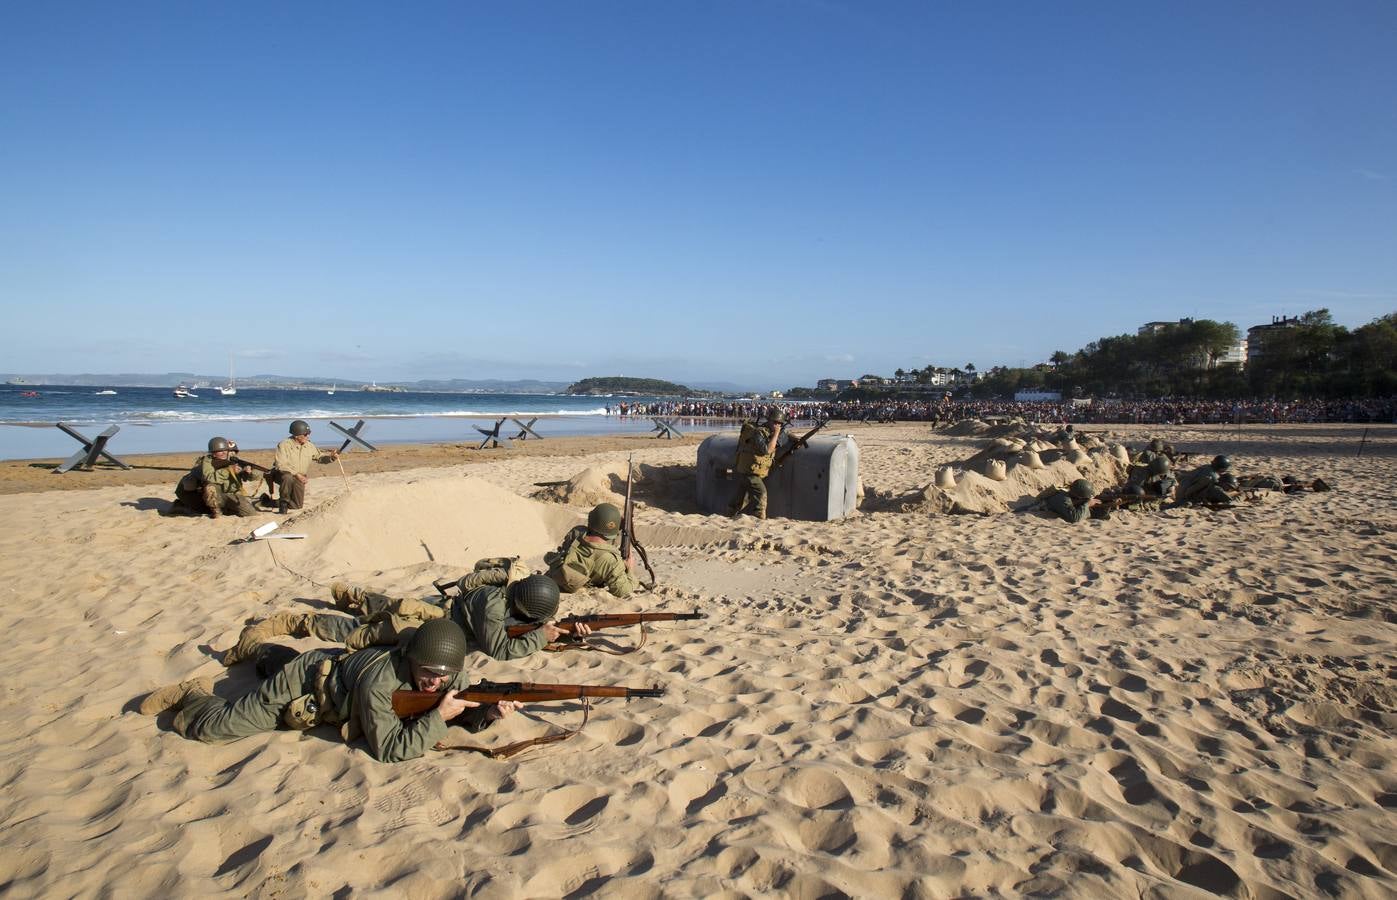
[152,420]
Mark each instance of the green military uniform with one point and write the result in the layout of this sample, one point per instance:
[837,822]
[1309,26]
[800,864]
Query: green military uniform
[1060,504]
[1144,483]
[1201,486]
[214,486]
[579,563]
[483,615]
[493,570]
[330,687]
[754,459]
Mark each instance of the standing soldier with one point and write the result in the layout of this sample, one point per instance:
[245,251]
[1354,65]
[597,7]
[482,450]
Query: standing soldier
[291,465]
[215,485]
[756,450]
[353,690]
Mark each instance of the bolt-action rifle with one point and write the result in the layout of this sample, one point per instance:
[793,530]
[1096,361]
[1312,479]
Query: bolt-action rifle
[797,443]
[413,703]
[628,538]
[239,461]
[596,621]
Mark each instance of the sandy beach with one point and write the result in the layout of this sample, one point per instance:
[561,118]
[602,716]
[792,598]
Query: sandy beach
[1182,703]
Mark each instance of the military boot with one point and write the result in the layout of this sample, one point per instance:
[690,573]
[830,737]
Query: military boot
[293,624]
[761,510]
[174,696]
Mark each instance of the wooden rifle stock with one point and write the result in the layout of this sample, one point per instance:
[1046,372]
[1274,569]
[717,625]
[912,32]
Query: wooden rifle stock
[606,620]
[413,703]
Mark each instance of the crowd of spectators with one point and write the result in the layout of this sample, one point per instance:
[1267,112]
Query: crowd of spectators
[1167,411]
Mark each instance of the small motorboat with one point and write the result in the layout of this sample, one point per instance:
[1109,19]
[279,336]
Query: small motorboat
[181,392]
[106,393]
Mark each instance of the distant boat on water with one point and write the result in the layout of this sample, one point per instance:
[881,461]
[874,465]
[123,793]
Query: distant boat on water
[181,392]
[106,393]
[331,391]
[232,389]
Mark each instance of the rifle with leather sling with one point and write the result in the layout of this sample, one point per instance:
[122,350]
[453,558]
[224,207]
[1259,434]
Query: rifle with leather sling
[796,444]
[413,703]
[628,538]
[596,621]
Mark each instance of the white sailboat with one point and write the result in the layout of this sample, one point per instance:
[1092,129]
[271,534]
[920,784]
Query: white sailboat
[231,390]
[331,391]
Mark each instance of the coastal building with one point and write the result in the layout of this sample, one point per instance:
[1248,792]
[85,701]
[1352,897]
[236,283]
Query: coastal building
[1157,327]
[1258,335]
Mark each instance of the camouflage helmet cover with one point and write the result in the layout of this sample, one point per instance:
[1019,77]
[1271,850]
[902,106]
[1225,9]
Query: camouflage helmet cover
[535,597]
[604,520]
[218,444]
[1159,465]
[1081,489]
[438,646]
[777,415]
[300,426]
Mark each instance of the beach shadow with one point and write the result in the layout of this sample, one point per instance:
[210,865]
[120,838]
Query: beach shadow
[148,504]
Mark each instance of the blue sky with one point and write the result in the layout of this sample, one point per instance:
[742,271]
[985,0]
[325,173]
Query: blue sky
[763,193]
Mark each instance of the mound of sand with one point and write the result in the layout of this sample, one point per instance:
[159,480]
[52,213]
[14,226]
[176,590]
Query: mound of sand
[446,521]
[1020,487]
[589,487]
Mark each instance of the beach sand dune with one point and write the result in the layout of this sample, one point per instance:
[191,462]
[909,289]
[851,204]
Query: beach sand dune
[904,703]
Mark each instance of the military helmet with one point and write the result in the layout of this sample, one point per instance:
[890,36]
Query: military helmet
[218,444]
[439,646]
[535,597]
[1157,445]
[777,415]
[1207,475]
[1221,463]
[605,520]
[1159,465]
[1228,481]
[1081,489]
[300,427]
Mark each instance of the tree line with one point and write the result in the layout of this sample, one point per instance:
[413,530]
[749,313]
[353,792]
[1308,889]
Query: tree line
[1310,356]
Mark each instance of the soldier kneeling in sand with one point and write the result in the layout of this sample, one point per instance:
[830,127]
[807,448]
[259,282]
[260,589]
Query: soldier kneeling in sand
[483,614]
[353,690]
[215,484]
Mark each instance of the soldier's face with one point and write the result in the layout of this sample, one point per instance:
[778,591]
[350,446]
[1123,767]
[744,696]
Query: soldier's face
[430,681]
[220,454]
[301,438]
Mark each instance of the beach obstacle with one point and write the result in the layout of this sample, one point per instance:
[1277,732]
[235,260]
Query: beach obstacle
[91,449]
[493,435]
[526,430]
[665,428]
[351,436]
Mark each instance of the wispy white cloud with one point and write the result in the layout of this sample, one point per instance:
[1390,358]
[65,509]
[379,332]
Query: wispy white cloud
[1370,175]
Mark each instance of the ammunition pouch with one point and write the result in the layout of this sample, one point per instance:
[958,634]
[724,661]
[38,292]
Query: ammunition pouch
[301,713]
[315,708]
